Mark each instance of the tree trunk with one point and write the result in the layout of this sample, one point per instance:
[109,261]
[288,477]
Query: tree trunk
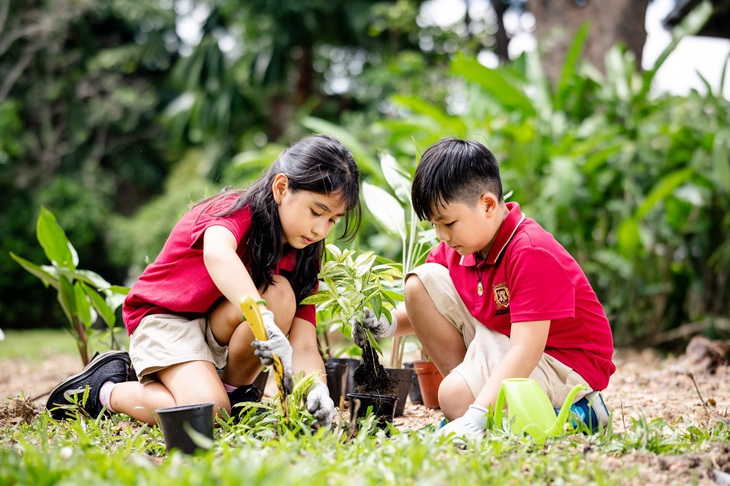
[304,87]
[279,116]
[501,35]
[557,21]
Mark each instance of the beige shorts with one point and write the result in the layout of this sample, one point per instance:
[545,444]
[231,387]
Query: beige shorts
[486,348]
[163,340]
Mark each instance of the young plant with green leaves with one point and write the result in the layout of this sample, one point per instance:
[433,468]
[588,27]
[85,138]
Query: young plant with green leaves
[351,282]
[84,295]
[395,215]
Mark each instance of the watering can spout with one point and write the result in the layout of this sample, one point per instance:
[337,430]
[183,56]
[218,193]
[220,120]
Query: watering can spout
[562,418]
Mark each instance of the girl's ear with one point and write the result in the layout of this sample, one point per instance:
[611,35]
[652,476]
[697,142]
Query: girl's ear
[279,187]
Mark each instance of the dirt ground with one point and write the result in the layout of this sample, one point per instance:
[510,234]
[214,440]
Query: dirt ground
[691,389]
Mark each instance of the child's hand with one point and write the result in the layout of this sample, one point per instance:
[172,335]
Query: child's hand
[380,328]
[277,344]
[469,426]
[320,404]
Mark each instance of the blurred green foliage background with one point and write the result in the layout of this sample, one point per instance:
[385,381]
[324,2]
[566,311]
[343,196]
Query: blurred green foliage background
[115,122]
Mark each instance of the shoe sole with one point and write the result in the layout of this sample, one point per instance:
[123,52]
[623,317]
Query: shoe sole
[57,399]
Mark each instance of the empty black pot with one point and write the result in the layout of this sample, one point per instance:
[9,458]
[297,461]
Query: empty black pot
[336,380]
[352,364]
[177,422]
[414,393]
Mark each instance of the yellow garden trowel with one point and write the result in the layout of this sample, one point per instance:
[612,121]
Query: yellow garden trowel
[252,315]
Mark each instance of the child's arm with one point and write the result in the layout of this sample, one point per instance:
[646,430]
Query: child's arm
[400,325]
[229,274]
[527,344]
[306,358]
[225,266]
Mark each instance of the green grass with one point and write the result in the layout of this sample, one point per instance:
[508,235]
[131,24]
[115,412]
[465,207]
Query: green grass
[261,450]
[110,452]
[38,344]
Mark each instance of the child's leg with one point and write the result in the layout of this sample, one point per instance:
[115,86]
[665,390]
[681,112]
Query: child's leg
[438,316]
[440,339]
[455,396]
[444,344]
[181,384]
[226,323]
[484,356]
[176,361]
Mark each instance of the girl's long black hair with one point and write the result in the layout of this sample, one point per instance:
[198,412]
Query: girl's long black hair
[319,164]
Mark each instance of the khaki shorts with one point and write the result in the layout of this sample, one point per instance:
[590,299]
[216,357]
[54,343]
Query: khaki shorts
[163,340]
[486,348]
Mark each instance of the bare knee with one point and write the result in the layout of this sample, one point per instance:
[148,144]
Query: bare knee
[454,396]
[414,295]
[224,319]
[194,382]
[414,289]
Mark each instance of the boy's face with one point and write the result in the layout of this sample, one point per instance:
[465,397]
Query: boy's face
[469,228]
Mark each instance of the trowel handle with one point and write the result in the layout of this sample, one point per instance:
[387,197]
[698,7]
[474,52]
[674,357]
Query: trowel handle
[252,315]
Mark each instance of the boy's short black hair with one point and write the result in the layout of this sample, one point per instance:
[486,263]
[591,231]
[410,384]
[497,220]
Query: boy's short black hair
[453,170]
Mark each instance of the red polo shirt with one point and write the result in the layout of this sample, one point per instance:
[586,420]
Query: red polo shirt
[177,282]
[529,276]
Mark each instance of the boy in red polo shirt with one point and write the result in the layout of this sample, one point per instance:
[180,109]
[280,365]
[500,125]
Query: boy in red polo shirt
[498,298]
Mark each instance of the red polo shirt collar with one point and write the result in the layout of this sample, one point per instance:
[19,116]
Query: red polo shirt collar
[507,230]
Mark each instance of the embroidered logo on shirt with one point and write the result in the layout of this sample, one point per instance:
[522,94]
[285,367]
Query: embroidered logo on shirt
[501,295]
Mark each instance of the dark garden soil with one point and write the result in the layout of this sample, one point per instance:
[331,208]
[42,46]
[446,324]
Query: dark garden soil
[692,389]
[370,377]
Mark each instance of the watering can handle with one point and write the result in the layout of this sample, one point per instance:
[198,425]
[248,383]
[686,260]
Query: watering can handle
[564,414]
[499,407]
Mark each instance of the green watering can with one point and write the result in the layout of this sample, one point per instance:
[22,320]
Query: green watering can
[530,411]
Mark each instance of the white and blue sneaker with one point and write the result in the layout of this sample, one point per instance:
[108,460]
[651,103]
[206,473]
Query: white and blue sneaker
[591,410]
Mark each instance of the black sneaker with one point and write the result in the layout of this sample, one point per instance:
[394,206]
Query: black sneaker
[245,393]
[107,366]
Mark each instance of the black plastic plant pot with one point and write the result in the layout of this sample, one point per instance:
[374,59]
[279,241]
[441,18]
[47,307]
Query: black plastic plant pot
[414,393]
[177,421]
[402,378]
[336,380]
[352,364]
[261,379]
[383,406]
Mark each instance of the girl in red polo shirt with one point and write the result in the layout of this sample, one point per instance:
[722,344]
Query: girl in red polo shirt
[498,298]
[183,316]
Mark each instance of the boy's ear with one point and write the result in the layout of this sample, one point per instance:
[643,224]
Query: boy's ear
[488,202]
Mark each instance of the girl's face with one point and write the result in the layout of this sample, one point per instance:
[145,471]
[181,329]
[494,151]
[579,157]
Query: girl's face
[306,217]
[469,229]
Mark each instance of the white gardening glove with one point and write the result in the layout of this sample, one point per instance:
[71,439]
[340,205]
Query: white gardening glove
[320,404]
[277,344]
[380,328]
[471,425]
